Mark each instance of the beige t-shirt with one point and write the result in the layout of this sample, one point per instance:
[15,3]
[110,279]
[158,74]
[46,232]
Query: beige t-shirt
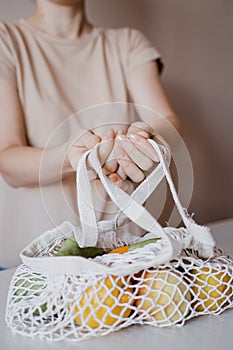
[59,81]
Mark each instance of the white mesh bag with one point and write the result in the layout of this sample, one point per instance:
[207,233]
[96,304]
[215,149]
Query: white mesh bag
[179,276]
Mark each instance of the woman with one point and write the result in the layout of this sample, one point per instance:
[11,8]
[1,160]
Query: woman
[54,64]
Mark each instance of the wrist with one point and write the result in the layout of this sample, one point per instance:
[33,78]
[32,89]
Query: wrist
[66,165]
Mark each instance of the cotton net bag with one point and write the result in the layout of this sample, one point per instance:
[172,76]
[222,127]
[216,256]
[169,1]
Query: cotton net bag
[179,275]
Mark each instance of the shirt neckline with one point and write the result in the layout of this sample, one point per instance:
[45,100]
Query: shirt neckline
[65,41]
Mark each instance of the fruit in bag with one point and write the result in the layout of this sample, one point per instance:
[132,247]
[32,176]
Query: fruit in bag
[104,304]
[30,286]
[211,285]
[120,250]
[70,247]
[124,249]
[143,243]
[164,297]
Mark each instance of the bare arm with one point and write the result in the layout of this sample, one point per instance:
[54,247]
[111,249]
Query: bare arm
[134,152]
[20,164]
[146,89]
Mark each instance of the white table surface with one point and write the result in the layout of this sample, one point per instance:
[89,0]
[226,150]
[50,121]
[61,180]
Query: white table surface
[206,332]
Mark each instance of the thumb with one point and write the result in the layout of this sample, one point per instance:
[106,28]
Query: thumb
[106,146]
[142,129]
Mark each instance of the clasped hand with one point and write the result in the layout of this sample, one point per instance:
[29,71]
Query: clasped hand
[121,154]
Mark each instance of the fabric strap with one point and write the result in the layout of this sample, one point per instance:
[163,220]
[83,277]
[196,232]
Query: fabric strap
[172,241]
[131,205]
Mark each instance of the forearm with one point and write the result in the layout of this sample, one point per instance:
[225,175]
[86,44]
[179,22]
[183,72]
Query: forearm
[23,166]
[152,103]
[168,126]
[150,127]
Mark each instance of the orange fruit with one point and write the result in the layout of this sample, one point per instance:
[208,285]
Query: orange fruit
[120,250]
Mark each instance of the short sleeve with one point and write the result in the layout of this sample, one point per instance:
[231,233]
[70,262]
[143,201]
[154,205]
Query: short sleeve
[141,51]
[7,65]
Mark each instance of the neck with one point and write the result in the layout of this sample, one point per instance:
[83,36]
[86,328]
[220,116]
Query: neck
[67,21]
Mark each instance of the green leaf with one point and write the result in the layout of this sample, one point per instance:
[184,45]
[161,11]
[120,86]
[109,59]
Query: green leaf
[71,248]
[142,244]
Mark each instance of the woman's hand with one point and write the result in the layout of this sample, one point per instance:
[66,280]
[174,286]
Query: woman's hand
[121,155]
[144,130]
[87,140]
[134,153]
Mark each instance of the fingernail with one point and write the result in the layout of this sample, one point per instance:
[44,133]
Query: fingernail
[110,135]
[134,137]
[144,134]
[122,138]
[120,132]
[113,177]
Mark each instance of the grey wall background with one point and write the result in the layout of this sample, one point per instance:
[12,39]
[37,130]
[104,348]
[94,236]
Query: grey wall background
[195,38]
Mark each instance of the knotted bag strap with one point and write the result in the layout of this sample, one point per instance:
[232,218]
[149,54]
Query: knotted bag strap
[147,187]
[130,206]
[202,239]
[87,233]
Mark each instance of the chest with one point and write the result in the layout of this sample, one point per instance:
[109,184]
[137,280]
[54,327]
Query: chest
[56,83]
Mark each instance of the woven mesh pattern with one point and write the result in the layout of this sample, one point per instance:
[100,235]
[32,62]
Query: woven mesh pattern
[136,287]
[55,307]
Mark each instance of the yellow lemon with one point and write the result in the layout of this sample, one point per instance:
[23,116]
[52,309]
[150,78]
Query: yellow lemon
[211,287]
[164,296]
[105,304]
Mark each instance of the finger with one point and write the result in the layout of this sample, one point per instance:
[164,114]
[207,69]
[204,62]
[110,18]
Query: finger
[114,177]
[141,128]
[110,167]
[160,140]
[120,132]
[92,175]
[111,164]
[144,146]
[139,158]
[121,173]
[106,146]
[87,139]
[74,155]
[125,185]
[114,166]
[130,168]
